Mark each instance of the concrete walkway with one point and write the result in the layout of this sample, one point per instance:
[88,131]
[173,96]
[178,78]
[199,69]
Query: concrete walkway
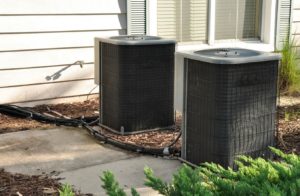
[79,157]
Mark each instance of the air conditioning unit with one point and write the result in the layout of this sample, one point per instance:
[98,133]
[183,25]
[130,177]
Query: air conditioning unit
[136,77]
[229,104]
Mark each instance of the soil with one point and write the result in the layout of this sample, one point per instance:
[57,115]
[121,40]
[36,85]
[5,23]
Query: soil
[87,108]
[153,139]
[26,185]
[289,129]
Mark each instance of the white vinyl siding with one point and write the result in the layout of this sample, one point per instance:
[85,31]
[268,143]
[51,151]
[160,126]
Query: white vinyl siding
[40,40]
[168,19]
[183,20]
[237,19]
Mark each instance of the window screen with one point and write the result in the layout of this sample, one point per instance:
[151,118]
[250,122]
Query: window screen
[183,20]
[237,19]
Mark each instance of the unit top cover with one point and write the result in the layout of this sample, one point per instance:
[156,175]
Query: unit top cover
[230,56]
[135,40]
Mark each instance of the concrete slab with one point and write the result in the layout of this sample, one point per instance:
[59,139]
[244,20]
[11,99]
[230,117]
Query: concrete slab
[79,157]
[61,149]
[286,101]
[129,173]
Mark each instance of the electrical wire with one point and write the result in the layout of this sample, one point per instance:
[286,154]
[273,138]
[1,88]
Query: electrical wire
[16,111]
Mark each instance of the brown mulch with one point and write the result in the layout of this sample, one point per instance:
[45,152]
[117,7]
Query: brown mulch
[289,129]
[154,139]
[12,124]
[86,108]
[26,185]
[73,110]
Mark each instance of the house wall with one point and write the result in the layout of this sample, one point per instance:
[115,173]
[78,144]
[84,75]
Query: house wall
[296,24]
[40,40]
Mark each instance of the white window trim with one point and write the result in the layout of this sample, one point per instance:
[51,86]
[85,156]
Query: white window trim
[268,27]
[211,21]
[268,24]
[151,17]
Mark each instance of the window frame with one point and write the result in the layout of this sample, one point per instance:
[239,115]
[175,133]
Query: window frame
[267,25]
[257,38]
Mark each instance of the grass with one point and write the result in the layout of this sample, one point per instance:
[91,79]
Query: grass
[289,74]
[66,190]
[291,115]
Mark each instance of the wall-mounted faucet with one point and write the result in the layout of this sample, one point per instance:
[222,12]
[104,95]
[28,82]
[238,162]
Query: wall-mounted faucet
[57,74]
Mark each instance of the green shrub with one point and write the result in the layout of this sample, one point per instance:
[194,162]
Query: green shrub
[289,76]
[66,190]
[112,186]
[253,177]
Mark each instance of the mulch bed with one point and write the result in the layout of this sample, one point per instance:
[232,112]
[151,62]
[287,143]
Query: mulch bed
[12,124]
[26,185]
[73,110]
[86,108]
[19,184]
[289,129]
[153,139]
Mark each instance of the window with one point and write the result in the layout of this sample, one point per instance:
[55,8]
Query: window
[183,20]
[237,19]
[213,21]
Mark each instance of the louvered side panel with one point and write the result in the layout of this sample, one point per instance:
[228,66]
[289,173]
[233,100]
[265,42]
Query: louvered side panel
[136,17]
[194,20]
[283,22]
[168,19]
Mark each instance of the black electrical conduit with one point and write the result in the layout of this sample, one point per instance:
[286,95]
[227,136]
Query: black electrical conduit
[16,111]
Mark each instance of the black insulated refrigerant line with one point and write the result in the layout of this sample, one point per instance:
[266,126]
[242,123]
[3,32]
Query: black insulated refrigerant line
[20,112]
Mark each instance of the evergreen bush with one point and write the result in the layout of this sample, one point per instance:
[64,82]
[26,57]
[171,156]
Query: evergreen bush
[253,177]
